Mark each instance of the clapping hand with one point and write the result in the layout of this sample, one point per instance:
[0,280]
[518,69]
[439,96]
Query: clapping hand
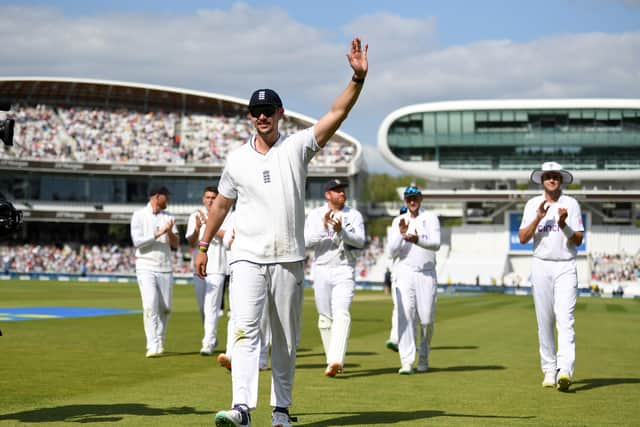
[404,228]
[562,217]
[542,209]
[334,220]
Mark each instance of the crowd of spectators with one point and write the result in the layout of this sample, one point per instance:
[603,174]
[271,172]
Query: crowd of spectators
[85,259]
[76,259]
[91,135]
[38,134]
[608,268]
[122,136]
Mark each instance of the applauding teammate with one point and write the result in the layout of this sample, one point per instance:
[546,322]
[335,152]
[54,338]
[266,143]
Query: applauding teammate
[154,234]
[554,221]
[335,232]
[413,239]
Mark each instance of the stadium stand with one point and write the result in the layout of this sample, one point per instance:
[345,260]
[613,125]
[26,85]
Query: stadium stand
[93,135]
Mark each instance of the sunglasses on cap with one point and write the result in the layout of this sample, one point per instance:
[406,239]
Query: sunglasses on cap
[268,110]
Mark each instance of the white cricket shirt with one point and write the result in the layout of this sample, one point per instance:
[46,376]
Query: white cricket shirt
[549,242]
[151,254]
[420,256]
[331,248]
[270,192]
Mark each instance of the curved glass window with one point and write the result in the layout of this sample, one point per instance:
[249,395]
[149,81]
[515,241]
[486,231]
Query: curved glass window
[518,139]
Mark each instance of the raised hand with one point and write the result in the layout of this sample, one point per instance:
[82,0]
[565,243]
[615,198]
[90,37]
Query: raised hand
[357,57]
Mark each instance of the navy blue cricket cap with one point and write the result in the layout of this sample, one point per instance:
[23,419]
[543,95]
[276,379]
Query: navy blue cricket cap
[335,183]
[265,97]
[159,189]
[412,190]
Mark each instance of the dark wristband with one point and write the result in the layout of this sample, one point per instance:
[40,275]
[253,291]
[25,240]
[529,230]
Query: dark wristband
[358,80]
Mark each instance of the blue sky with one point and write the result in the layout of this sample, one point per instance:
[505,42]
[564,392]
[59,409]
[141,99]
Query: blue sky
[420,51]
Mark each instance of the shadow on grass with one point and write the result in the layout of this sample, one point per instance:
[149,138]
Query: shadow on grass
[591,383]
[96,413]
[389,417]
[322,366]
[349,373]
[455,347]
[177,353]
[300,356]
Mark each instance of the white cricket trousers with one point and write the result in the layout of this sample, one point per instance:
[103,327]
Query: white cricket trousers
[265,338]
[415,297]
[555,291]
[156,290]
[276,288]
[209,296]
[333,288]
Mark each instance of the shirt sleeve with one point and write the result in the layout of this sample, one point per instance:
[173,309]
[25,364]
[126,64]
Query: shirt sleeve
[394,239]
[309,144]
[528,214]
[429,238]
[575,217]
[314,230]
[138,237]
[191,226]
[353,233]
[226,185]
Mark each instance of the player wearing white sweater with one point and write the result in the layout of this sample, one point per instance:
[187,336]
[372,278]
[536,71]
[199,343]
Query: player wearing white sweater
[154,234]
[335,232]
[414,238]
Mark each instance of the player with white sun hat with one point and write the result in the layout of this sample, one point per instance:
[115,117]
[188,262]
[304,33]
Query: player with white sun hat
[554,221]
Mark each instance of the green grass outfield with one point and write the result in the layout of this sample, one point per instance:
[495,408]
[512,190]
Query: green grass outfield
[484,366]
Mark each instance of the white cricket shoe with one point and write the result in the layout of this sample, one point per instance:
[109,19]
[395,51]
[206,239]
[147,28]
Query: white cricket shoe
[406,369]
[549,380]
[154,352]
[236,417]
[280,419]
[207,350]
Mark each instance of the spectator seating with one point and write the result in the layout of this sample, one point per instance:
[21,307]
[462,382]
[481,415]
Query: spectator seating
[92,135]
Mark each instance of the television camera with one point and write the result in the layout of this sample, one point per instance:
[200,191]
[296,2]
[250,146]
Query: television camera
[6,126]
[10,217]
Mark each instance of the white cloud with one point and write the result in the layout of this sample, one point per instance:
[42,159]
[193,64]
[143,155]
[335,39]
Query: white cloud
[234,51]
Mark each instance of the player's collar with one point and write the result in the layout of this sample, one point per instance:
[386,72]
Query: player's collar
[252,142]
